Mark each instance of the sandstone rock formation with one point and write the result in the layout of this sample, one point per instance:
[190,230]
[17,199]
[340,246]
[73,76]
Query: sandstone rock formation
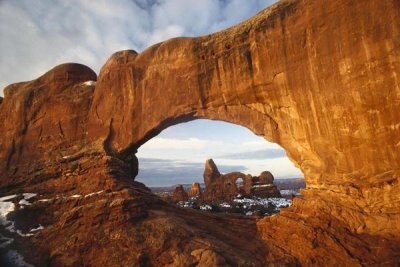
[265,178]
[195,190]
[179,194]
[220,187]
[320,78]
[211,172]
[263,186]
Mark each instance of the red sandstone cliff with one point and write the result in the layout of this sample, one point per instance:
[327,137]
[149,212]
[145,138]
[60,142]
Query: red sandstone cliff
[320,78]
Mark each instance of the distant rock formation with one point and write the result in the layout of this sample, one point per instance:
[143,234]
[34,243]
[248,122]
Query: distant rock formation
[211,172]
[220,187]
[265,178]
[195,190]
[263,186]
[227,186]
[179,194]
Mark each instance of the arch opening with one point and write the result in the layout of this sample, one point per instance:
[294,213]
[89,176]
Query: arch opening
[239,182]
[174,165]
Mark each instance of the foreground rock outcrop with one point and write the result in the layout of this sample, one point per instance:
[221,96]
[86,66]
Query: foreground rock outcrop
[320,78]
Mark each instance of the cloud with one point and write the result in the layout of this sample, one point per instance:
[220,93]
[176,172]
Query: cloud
[181,144]
[166,172]
[162,172]
[37,35]
[257,154]
[260,144]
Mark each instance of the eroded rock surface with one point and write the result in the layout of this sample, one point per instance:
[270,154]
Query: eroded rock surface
[219,187]
[179,194]
[320,78]
[195,190]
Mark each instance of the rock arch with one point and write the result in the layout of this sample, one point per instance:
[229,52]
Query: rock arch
[280,75]
[320,78]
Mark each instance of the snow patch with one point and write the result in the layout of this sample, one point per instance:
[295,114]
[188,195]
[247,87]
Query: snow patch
[94,193]
[40,227]
[262,185]
[11,227]
[5,241]
[5,209]
[6,206]
[31,232]
[276,201]
[17,259]
[205,207]
[75,196]
[24,202]
[225,205]
[29,195]
[89,83]
[22,234]
[7,198]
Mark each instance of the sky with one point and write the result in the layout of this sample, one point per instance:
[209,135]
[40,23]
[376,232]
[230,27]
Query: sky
[38,35]
[178,154]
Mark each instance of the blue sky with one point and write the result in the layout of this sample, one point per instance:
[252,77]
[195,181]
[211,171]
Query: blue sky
[37,35]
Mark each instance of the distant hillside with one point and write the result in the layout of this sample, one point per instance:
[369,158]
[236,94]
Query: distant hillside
[292,183]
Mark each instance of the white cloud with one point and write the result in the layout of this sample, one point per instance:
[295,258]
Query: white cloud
[279,167]
[37,35]
[259,145]
[160,35]
[178,144]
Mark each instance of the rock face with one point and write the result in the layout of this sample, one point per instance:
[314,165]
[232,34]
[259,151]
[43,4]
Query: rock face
[266,178]
[320,78]
[211,172]
[263,186]
[220,187]
[179,194]
[195,190]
